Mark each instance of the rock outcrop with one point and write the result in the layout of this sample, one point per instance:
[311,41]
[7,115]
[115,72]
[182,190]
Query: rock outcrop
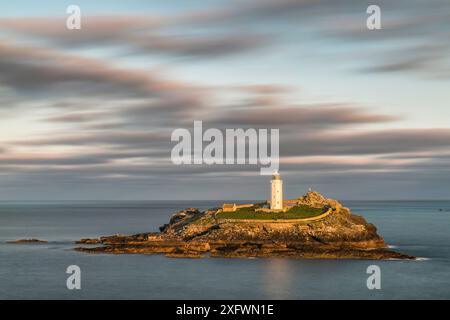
[316,200]
[27,241]
[191,233]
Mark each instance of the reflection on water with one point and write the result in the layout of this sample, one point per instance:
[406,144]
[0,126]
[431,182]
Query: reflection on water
[278,275]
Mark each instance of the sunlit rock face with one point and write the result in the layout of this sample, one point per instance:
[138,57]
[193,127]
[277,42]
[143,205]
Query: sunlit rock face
[191,233]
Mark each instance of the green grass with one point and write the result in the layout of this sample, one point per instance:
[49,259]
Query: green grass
[297,212]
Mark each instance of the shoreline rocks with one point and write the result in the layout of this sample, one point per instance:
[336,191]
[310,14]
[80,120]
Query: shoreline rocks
[194,234]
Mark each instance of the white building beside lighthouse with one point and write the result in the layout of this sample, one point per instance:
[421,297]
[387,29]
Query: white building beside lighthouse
[276,200]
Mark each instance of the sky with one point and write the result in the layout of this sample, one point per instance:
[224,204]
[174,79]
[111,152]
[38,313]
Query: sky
[88,114]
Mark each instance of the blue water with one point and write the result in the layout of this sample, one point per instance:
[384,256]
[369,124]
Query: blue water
[38,271]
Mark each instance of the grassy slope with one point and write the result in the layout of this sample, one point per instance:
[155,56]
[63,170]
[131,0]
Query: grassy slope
[297,212]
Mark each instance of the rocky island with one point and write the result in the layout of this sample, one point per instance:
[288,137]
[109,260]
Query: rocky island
[310,226]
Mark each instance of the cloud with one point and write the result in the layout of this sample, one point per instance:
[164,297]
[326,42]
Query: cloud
[240,27]
[426,60]
[129,139]
[77,82]
[32,68]
[40,162]
[425,25]
[264,89]
[368,142]
[303,115]
[78,117]
[100,29]
[212,46]
[136,34]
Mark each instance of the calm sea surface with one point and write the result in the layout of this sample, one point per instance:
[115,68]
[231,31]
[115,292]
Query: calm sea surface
[38,271]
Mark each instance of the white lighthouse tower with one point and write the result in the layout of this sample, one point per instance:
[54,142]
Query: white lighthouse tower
[276,201]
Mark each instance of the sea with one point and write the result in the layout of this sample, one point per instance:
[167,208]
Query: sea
[38,271]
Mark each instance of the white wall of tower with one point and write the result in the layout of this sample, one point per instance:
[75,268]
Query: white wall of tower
[276,201]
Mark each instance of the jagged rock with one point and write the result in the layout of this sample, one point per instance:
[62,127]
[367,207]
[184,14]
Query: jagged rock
[164,227]
[316,200]
[179,216]
[88,241]
[183,214]
[313,199]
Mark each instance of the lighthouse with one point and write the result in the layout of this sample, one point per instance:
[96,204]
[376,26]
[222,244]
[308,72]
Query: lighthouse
[276,201]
